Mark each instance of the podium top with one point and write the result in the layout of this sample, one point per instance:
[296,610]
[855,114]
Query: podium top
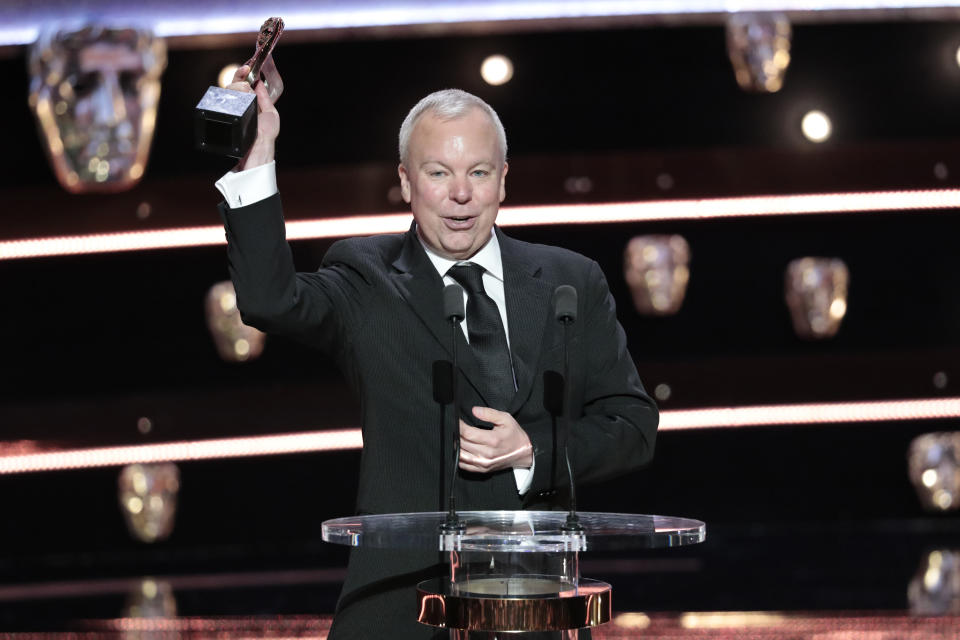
[514,531]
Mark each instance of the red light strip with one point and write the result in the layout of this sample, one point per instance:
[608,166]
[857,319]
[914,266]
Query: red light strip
[316,441]
[699,209]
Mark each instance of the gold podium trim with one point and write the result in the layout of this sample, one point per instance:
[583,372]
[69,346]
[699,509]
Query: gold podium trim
[513,603]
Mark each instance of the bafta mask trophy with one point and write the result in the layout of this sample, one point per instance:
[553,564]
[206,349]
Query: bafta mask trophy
[816,294]
[148,499]
[94,91]
[235,341]
[759,49]
[225,121]
[657,268]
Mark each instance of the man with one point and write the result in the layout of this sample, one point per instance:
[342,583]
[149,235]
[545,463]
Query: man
[376,306]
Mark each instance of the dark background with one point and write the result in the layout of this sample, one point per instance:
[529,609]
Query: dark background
[802,517]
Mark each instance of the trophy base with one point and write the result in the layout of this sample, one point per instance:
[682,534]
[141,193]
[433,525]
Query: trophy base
[225,122]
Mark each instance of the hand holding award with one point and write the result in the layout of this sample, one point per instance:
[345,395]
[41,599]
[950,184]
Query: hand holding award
[226,120]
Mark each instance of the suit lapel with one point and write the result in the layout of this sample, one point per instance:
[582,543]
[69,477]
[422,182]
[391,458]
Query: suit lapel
[421,286]
[528,308]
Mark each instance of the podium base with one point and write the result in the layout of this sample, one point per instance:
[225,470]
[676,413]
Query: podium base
[513,604]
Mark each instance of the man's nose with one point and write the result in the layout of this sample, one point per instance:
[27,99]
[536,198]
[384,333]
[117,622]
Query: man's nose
[109,106]
[461,190]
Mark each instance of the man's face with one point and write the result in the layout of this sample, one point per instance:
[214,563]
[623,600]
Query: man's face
[96,104]
[454,181]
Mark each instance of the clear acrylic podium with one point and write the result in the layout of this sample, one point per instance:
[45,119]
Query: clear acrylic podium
[514,573]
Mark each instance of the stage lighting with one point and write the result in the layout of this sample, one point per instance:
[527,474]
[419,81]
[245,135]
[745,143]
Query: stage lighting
[816,294]
[150,599]
[934,466]
[496,70]
[226,75]
[94,91]
[148,499]
[935,588]
[759,48]
[816,126]
[656,268]
[235,341]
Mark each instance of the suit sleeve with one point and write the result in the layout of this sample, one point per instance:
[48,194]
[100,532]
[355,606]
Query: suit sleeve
[614,425]
[313,308]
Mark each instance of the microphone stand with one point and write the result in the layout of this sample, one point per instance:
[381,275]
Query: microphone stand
[573,522]
[565,299]
[453,303]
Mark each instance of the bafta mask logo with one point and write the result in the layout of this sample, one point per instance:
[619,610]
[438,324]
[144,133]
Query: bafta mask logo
[759,49]
[656,268]
[816,294]
[235,341]
[934,465]
[148,499]
[935,589]
[94,91]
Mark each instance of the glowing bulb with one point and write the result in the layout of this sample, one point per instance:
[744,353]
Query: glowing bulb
[816,126]
[496,70]
[226,74]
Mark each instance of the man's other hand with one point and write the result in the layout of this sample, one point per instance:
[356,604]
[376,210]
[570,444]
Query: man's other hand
[268,122]
[504,447]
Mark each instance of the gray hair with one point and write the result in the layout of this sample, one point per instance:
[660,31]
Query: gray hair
[449,104]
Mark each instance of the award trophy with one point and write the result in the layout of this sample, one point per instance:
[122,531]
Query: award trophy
[225,121]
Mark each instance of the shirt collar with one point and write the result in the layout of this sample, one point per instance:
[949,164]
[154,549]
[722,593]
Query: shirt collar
[488,257]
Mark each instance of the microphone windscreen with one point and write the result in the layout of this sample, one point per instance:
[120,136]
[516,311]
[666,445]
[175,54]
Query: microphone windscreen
[453,302]
[565,303]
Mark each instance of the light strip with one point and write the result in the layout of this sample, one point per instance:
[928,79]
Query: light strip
[22,22]
[810,414]
[316,441]
[618,212]
[185,451]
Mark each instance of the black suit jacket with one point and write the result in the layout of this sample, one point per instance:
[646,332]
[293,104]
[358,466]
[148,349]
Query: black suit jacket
[376,306]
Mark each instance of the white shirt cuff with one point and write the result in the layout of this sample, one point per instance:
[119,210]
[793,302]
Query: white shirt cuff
[242,188]
[524,477]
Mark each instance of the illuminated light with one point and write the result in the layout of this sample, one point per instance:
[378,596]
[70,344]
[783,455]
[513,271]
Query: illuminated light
[929,477]
[242,348]
[136,171]
[935,559]
[940,380]
[143,210]
[958,55]
[731,619]
[816,126]
[60,108]
[838,308]
[608,213]
[226,75]
[72,177]
[811,414]
[496,70]
[931,578]
[135,504]
[15,459]
[144,425]
[943,499]
[662,392]
[632,620]
[149,588]
[183,450]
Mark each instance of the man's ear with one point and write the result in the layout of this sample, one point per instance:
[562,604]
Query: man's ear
[404,183]
[503,182]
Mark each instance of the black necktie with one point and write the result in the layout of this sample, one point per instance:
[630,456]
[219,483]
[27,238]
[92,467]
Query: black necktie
[487,337]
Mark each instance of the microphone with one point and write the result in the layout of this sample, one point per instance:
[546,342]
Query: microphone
[565,312]
[565,304]
[453,311]
[453,303]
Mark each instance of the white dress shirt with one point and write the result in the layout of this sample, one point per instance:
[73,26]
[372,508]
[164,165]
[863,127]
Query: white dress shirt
[242,188]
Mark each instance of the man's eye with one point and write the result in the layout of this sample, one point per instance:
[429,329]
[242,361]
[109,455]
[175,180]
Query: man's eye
[480,173]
